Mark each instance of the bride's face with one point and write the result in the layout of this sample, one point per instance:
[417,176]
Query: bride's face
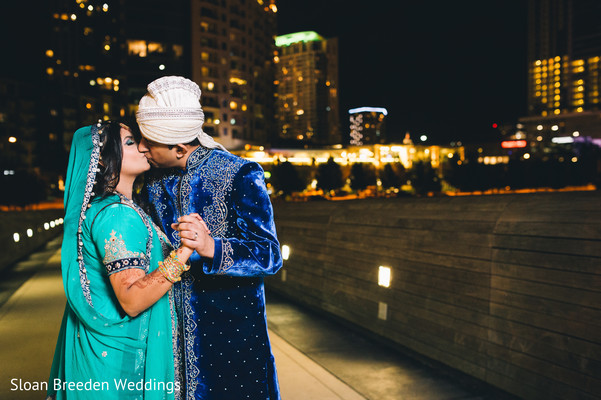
[133,163]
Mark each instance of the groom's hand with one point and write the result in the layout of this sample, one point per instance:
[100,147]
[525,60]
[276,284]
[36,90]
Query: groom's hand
[195,234]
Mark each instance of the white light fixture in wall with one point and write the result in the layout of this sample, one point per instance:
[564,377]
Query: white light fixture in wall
[382,311]
[285,252]
[384,276]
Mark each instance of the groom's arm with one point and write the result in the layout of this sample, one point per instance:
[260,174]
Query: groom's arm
[255,250]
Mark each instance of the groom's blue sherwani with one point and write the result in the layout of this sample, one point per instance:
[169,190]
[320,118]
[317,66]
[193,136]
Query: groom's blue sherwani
[222,343]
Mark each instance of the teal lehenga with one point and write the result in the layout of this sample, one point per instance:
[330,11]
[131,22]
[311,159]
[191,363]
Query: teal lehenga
[101,352]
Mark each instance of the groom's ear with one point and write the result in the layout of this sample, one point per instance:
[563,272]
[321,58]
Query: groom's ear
[180,151]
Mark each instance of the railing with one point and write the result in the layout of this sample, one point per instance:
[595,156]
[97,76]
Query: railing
[506,289]
[21,232]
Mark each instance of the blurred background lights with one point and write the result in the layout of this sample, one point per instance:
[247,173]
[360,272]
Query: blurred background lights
[285,252]
[384,274]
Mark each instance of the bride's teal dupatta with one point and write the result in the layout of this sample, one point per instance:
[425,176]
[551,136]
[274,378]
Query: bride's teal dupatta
[101,357]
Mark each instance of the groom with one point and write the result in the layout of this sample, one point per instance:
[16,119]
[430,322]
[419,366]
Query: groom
[223,346]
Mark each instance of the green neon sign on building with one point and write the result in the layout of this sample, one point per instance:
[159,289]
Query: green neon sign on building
[287,40]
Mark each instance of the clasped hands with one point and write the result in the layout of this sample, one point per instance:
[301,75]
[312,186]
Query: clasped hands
[195,234]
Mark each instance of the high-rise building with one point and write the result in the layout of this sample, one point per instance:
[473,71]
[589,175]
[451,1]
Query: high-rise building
[83,66]
[100,56]
[564,65]
[307,89]
[232,61]
[156,41]
[367,125]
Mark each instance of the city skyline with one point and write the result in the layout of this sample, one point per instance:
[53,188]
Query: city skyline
[437,68]
[460,67]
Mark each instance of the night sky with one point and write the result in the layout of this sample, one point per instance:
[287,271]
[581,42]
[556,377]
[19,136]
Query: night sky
[447,69]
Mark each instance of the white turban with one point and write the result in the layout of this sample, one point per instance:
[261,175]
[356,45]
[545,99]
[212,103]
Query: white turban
[170,113]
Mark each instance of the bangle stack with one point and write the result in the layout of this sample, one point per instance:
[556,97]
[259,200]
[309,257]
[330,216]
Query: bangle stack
[172,268]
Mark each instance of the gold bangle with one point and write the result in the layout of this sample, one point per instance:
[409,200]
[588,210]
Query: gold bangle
[172,268]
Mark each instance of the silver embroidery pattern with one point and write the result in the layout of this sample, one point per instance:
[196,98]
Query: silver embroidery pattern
[188,317]
[176,354]
[93,168]
[226,257]
[196,158]
[192,371]
[154,193]
[187,282]
[217,177]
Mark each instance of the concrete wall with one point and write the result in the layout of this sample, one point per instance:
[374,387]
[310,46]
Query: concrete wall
[506,289]
[12,222]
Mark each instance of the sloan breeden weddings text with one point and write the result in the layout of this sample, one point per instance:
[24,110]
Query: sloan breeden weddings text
[58,385]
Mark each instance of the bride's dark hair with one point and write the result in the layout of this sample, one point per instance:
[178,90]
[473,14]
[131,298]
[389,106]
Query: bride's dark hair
[111,156]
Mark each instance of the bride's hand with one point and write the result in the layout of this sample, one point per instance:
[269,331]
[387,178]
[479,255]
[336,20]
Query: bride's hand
[195,234]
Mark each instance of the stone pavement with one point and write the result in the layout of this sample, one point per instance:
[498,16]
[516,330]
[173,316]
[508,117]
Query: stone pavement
[30,320]
[316,358]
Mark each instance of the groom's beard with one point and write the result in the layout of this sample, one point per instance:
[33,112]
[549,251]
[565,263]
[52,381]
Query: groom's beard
[152,163]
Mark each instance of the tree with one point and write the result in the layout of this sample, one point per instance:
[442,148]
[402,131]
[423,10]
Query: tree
[360,177]
[329,176]
[390,178]
[424,178]
[285,178]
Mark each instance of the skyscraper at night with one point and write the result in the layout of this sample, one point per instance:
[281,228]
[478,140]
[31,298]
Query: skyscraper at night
[307,89]
[232,61]
[82,67]
[100,56]
[367,125]
[155,36]
[564,65]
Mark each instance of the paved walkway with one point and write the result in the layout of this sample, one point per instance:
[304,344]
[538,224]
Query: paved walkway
[316,358]
[30,319]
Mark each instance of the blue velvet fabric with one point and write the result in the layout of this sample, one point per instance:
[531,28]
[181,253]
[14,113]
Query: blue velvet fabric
[225,350]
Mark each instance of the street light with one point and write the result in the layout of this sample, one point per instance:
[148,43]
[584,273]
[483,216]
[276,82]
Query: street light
[12,139]
[423,138]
